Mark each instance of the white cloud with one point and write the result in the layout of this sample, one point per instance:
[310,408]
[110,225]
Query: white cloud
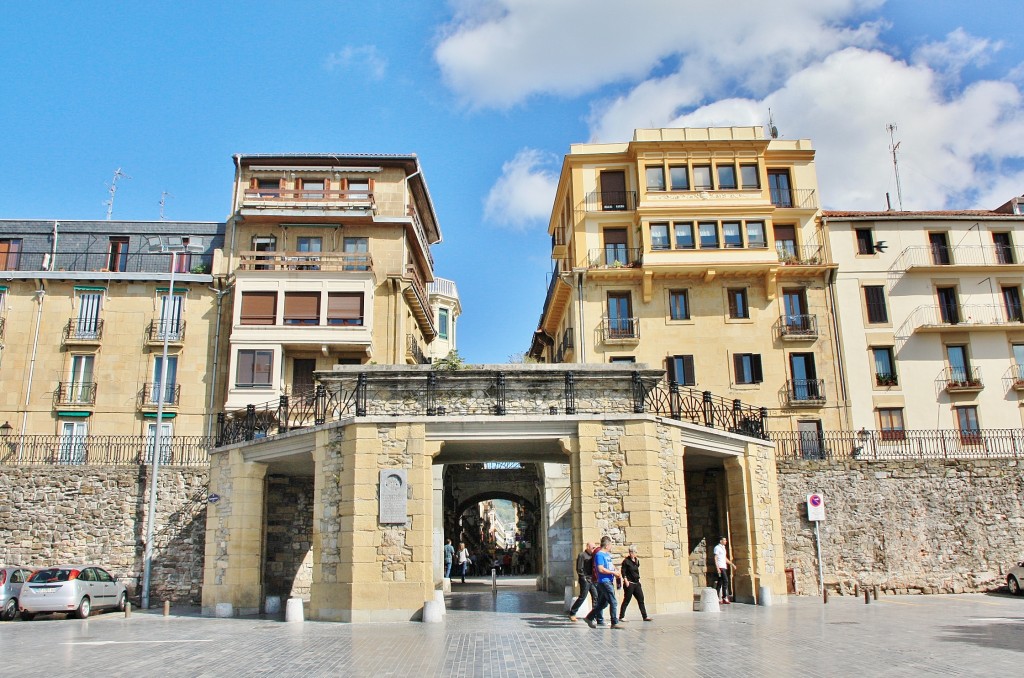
[522,196]
[364,59]
[498,53]
[955,53]
[948,146]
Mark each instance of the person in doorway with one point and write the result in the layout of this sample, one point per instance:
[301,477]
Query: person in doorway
[464,560]
[584,574]
[632,588]
[722,565]
[506,564]
[449,557]
[607,577]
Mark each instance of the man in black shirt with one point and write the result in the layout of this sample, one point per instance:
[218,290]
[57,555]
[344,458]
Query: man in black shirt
[631,581]
[585,573]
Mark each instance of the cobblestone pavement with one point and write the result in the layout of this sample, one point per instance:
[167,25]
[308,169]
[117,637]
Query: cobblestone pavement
[522,633]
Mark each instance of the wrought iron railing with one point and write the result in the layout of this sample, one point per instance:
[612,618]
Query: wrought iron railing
[414,350]
[805,391]
[799,198]
[899,444]
[173,330]
[797,326]
[75,393]
[83,329]
[304,261]
[614,330]
[102,261]
[803,255]
[352,198]
[955,379]
[40,450]
[615,257]
[151,392]
[608,201]
[485,392]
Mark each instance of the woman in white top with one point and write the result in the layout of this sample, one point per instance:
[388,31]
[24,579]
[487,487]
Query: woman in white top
[463,556]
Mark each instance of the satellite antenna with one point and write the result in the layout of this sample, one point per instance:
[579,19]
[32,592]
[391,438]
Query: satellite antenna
[893,146]
[772,129]
[163,202]
[112,189]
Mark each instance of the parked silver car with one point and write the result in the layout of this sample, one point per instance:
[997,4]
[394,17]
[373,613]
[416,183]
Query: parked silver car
[11,581]
[1015,579]
[73,589]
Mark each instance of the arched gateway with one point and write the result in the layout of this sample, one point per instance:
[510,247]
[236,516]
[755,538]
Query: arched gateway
[340,496]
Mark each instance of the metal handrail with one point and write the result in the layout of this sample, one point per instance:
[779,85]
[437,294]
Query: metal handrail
[612,257]
[897,444]
[173,329]
[99,261]
[798,326]
[795,198]
[149,395]
[83,329]
[619,329]
[303,195]
[805,391]
[960,379]
[39,450]
[75,393]
[608,201]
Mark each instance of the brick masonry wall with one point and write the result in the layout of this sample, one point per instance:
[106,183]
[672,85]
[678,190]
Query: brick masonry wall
[908,526]
[97,515]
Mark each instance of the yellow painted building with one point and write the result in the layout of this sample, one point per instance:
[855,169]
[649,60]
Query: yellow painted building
[330,260]
[699,251]
[85,309]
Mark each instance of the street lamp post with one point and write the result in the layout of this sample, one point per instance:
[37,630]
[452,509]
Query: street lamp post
[157,436]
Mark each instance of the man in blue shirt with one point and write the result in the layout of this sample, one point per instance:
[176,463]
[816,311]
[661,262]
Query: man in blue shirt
[449,556]
[606,578]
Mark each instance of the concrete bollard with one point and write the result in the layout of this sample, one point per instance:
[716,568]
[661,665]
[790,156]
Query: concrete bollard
[167,608]
[432,612]
[867,596]
[494,579]
[824,595]
[293,610]
[876,592]
[764,596]
[569,598]
[446,585]
[223,610]
[439,599]
[709,600]
[272,605]
[127,610]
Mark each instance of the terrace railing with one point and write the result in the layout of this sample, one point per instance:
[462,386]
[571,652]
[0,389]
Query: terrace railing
[899,444]
[43,450]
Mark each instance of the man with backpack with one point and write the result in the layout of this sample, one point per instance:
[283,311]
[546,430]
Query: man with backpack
[607,578]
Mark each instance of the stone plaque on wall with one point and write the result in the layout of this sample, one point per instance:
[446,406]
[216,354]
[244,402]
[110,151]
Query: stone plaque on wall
[394,496]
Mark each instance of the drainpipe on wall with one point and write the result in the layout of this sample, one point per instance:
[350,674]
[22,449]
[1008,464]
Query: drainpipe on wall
[837,337]
[40,294]
[579,294]
[211,416]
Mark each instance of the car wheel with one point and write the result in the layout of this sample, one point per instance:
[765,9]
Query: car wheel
[1013,585]
[84,608]
[10,610]
[122,601]
[27,616]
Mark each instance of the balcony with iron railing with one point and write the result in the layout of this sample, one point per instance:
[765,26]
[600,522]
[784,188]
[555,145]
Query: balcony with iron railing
[172,330]
[414,350]
[608,201]
[797,327]
[1014,377]
[46,450]
[305,261]
[149,396]
[416,296]
[83,330]
[619,330]
[335,199]
[959,380]
[615,257]
[897,444]
[559,242]
[931,258]
[941,317]
[800,255]
[794,198]
[103,261]
[805,392]
[75,393]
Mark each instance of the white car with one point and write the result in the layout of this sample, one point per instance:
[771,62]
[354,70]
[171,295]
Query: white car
[1015,579]
[73,589]
[11,581]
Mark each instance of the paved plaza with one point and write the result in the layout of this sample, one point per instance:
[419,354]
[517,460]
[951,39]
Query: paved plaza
[520,633]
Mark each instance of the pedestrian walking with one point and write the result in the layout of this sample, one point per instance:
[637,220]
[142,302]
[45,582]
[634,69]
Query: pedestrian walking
[722,565]
[631,586]
[585,577]
[464,560]
[449,557]
[607,577]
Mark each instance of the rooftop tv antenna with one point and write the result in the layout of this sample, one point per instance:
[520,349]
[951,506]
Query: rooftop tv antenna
[163,202]
[893,146]
[112,189]
[772,129]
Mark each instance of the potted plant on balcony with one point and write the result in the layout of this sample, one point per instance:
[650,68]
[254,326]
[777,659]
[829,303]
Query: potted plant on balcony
[201,268]
[886,379]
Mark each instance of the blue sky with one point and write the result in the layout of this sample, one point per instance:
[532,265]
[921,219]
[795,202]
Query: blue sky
[489,94]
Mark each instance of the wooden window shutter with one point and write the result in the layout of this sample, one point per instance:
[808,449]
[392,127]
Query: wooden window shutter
[344,308]
[670,367]
[737,367]
[689,376]
[370,184]
[254,183]
[259,308]
[733,309]
[302,308]
[755,368]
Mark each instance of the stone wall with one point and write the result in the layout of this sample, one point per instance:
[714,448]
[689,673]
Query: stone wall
[97,514]
[703,522]
[288,565]
[908,526]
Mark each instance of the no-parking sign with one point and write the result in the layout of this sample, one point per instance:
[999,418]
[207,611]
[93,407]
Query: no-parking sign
[815,507]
